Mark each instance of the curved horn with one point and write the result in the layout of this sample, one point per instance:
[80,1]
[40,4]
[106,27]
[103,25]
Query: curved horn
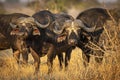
[66,24]
[57,29]
[83,26]
[43,26]
[13,25]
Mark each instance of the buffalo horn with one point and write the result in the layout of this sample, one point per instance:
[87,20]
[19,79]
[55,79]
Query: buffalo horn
[41,25]
[13,25]
[82,25]
[55,30]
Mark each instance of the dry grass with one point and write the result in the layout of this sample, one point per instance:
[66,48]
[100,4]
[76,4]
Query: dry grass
[108,70]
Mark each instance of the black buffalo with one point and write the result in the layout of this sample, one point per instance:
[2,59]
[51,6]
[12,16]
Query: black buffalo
[52,31]
[95,17]
[10,24]
[88,27]
[60,43]
[90,41]
[4,43]
[35,43]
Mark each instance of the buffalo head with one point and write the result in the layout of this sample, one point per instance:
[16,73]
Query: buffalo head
[58,27]
[73,29]
[43,18]
[66,28]
[24,27]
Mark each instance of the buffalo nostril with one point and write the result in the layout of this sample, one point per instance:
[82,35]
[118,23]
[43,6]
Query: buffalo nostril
[72,42]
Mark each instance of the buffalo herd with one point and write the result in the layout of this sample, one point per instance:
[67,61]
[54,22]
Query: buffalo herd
[52,34]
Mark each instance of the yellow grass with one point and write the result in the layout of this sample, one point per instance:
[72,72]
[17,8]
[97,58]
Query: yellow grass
[108,70]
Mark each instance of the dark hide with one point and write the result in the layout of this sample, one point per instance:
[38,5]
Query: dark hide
[13,42]
[92,17]
[56,47]
[58,41]
[4,43]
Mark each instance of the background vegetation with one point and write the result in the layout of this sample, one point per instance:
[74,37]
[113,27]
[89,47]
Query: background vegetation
[2,8]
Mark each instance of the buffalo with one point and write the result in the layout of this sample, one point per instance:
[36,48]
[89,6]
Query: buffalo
[62,33]
[52,31]
[58,31]
[61,43]
[10,24]
[4,43]
[95,17]
[88,27]
[32,33]
[85,32]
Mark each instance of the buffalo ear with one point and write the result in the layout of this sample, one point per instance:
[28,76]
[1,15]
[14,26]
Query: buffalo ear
[36,31]
[15,31]
[13,25]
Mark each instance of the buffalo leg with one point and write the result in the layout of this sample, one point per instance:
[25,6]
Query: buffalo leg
[16,55]
[66,61]
[36,60]
[25,57]
[50,56]
[86,59]
[67,57]
[60,58]
[85,55]
[99,56]
[98,60]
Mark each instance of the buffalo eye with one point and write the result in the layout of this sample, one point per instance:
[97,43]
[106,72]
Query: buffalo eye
[17,26]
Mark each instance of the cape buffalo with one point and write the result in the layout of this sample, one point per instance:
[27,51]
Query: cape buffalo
[52,31]
[88,27]
[10,24]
